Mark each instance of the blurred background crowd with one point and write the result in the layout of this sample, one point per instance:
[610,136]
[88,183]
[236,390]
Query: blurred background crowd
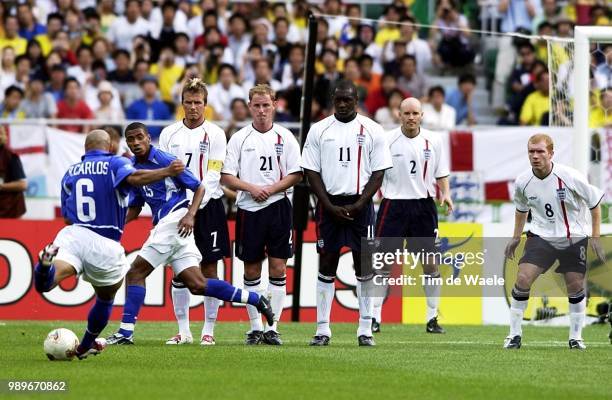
[115,60]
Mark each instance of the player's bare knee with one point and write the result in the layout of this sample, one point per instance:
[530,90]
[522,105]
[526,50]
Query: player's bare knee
[252,270]
[135,276]
[209,270]
[196,286]
[524,280]
[277,269]
[328,264]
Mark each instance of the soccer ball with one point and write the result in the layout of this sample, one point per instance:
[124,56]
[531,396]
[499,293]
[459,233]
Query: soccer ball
[61,344]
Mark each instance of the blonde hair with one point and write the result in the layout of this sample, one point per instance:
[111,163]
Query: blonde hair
[542,137]
[195,85]
[262,90]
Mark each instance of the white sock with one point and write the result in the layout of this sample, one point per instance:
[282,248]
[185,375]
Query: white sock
[254,315]
[325,296]
[577,317]
[211,309]
[278,291]
[180,301]
[517,309]
[364,291]
[432,293]
[377,308]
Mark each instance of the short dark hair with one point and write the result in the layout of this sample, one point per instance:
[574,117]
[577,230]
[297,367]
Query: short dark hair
[408,57]
[435,89]
[169,4]
[237,100]
[134,126]
[71,79]
[82,48]
[466,78]
[227,66]
[12,89]
[55,15]
[121,52]
[346,85]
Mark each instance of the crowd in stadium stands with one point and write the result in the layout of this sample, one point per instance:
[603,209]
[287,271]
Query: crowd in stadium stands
[112,60]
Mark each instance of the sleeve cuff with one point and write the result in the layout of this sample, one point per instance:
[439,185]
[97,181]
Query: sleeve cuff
[599,201]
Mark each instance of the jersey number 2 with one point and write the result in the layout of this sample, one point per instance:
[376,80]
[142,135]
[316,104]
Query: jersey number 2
[85,186]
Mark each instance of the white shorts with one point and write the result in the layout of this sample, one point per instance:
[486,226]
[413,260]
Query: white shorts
[165,245]
[100,260]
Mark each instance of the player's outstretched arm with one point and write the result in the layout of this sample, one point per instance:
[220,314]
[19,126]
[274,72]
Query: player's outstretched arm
[445,195]
[185,225]
[519,223]
[143,177]
[595,233]
[317,187]
[370,189]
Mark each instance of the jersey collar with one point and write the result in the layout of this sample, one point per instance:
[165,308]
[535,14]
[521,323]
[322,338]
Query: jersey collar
[152,151]
[552,169]
[93,153]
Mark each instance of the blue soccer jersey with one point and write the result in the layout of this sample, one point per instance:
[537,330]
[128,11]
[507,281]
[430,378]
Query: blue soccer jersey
[166,195]
[95,194]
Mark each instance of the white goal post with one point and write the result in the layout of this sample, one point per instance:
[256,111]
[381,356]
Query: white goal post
[583,36]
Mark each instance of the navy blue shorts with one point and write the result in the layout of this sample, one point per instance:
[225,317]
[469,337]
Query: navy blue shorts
[333,234]
[416,218]
[539,252]
[265,232]
[211,233]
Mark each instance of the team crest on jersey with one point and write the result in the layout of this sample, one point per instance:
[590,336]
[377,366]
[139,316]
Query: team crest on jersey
[203,147]
[427,154]
[320,243]
[360,139]
[561,194]
[278,147]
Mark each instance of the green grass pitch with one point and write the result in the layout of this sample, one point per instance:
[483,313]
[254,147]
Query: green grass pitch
[466,363]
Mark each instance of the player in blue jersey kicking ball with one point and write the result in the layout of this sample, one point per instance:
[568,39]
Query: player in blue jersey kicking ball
[94,204]
[171,241]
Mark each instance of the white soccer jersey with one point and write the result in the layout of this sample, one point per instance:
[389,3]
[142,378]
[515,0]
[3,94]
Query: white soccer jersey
[261,159]
[202,150]
[559,203]
[346,154]
[417,163]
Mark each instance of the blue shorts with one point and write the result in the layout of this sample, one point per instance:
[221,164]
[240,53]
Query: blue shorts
[416,218]
[265,232]
[333,234]
[211,233]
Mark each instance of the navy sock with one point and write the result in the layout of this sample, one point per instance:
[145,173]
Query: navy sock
[133,301]
[96,322]
[43,277]
[226,292]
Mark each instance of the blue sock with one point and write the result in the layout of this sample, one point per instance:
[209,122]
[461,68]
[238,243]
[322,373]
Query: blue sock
[133,301]
[43,277]
[96,322]
[226,292]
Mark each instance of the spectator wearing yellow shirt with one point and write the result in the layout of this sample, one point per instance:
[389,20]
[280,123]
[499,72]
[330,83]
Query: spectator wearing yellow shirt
[11,106]
[537,103]
[388,31]
[11,36]
[167,72]
[602,116]
[55,22]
